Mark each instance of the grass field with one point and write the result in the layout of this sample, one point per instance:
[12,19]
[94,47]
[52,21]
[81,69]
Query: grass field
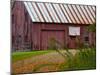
[51,60]
[16,56]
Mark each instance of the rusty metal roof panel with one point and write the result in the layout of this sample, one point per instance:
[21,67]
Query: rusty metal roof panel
[79,16]
[61,13]
[29,11]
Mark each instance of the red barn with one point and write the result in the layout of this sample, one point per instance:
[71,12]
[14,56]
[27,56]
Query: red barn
[34,23]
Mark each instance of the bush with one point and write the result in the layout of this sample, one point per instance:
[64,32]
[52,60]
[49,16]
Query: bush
[85,59]
[52,44]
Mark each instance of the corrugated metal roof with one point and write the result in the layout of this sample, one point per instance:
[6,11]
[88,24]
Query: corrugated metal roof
[61,13]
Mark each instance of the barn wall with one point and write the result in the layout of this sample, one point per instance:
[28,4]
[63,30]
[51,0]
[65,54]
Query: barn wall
[37,29]
[21,29]
[37,32]
[27,35]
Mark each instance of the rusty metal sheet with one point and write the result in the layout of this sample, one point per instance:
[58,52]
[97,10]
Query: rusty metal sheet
[61,13]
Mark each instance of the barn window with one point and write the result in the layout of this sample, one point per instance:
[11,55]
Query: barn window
[86,41]
[86,38]
[74,31]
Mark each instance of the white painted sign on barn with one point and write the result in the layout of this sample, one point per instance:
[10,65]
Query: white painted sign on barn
[73,31]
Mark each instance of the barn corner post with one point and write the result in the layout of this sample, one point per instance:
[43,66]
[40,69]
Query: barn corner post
[31,41]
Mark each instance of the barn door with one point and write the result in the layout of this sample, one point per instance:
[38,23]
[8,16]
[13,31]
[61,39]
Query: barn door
[47,35]
[72,42]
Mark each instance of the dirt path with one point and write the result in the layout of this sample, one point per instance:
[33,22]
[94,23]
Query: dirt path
[40,63]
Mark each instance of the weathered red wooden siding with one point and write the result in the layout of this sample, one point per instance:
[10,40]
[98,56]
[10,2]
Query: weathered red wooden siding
[27,35]
[38,33]
[40,30]
[46,35]
[21,27]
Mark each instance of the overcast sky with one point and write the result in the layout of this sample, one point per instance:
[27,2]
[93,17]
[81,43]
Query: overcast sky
[87,2]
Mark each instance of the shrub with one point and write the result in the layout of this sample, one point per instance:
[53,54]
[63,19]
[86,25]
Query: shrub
[85,59]
[52,43]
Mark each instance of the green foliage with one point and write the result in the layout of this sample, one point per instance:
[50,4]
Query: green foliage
[52,44]
[16,56]
[92,28]
[84,59]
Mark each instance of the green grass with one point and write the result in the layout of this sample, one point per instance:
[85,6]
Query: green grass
[16,56]
[84,60]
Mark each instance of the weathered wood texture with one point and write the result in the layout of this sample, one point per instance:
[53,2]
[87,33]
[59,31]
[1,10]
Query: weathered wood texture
[34,36]
[21,27]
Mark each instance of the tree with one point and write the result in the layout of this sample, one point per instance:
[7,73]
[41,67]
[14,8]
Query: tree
[92,29]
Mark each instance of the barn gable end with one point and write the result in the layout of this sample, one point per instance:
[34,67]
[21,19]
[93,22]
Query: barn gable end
[21,29]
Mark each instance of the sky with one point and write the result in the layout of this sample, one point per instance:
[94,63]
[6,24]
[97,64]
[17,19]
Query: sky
[85,2]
